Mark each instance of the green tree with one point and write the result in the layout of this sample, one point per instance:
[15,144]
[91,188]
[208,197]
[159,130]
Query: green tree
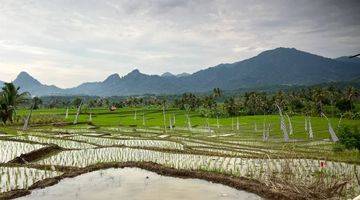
[217,92]
[255,103]
[349,137]
[77,101]
[351,93]
[10,98]
[36,103]
[319,97]
[344,105]
[231,106]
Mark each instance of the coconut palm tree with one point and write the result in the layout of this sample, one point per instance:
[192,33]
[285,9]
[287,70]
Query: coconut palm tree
[319,97]
[351,93]
[230,106]
[332,97]
[37,102]
[280,99]
[10,98]
[217,92]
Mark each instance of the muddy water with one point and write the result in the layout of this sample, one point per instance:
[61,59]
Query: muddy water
[136,184]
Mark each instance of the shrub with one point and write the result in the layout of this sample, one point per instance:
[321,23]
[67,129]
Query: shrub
[344,105]
[349,137]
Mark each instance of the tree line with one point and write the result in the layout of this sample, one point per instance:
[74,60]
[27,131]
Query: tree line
[310,101]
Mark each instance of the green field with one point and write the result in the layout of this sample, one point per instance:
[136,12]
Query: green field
[154,118]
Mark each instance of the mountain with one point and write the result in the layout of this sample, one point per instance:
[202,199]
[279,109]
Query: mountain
[167,74]
[347,59]
[29,84]
[274,67]
[280,66]
[183,75]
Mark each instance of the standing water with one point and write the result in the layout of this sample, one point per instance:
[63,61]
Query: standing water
[136,184]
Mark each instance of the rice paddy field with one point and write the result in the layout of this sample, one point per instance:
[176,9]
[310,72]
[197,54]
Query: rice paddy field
[244,148]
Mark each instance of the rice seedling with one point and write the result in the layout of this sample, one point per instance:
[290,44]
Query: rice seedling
[68,144]
[12,178]
[9,149]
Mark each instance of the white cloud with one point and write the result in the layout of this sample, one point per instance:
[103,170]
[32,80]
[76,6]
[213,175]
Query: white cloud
[68,42]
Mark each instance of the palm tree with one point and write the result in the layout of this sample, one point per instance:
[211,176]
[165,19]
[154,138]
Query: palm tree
[37,102]
[230,106]
[10,98]
[217,92]
[255,102]
[280,99]
[319,97]
[351,93]
[332,96]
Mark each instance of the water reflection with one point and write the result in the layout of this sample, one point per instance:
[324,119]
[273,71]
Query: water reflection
[136,184]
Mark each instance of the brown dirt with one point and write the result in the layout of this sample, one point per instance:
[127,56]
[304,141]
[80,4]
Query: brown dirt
[36,154]
[61,124]
[14,194]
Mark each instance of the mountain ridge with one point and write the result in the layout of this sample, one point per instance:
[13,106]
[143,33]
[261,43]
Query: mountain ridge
[278,66]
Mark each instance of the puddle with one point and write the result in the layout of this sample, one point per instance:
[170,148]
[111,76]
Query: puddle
[136,184]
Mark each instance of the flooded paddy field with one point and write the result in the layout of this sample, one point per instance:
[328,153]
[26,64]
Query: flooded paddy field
[67,160]
[136,184]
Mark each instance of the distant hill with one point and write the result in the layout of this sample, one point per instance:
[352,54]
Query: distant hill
[167,74]
[29,84]
[275,67]
[280,66]
[355,60]
[183,75]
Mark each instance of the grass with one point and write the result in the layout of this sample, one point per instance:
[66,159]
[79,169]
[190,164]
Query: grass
[154,118]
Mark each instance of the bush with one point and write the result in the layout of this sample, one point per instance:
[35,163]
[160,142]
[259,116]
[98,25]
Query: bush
[349,137]
[352,115]
[344,105]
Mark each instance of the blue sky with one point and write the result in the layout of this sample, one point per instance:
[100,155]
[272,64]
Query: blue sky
[65,42]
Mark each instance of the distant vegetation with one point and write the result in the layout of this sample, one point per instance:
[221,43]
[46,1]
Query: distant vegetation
[311,101]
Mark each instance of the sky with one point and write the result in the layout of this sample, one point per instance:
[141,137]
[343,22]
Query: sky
[67,42]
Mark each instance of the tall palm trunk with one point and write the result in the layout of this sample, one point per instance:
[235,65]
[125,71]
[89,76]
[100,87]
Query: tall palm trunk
[188,121]
[333,135]
[232,124]
[90,117]
[290,125]
[170,123]
[164,119]
[77,114]
[67,113]
[27,120]
[311,133]
[237,124]
[143,120]
[283,125]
